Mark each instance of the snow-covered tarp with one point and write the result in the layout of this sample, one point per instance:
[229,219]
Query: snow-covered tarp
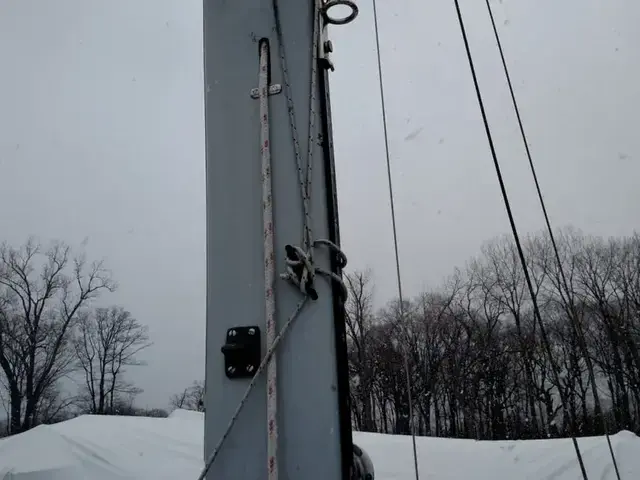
[103,447]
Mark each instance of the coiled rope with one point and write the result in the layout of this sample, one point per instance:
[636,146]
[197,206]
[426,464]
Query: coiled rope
[300,269]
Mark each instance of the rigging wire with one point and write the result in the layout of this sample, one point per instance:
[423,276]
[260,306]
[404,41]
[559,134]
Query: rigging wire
[577,327]
[514,230]
[395,239]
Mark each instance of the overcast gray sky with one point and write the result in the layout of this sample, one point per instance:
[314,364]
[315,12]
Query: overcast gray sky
[101,136]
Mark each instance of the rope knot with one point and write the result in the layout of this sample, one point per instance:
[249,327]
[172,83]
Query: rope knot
[301,271]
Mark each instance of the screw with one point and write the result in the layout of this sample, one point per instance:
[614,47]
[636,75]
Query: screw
[249,368]
[232,333]
[328,46]
[231,369]
[252,331]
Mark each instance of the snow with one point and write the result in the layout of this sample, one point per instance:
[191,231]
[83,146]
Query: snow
[141,448]
[103,447]
[454,459]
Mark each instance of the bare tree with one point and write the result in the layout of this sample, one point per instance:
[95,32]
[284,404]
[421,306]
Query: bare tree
[191,398]
[153,412]
[478,366]
[107,341]
[359,318]
[54,406]
[42,290]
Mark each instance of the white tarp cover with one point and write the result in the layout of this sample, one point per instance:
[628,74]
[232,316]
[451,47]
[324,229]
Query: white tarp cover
[93,447]
[103,447]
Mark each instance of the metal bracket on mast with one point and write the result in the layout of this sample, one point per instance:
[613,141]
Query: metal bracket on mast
[241,352]
[274,89]
[325,47]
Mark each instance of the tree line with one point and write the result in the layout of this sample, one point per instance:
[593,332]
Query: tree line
[50,330]
[478,367]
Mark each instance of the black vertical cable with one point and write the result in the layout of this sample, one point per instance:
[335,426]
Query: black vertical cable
[514,230]
[395,242]
[577,327]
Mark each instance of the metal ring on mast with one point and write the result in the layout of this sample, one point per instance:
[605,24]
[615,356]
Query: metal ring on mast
[328,4]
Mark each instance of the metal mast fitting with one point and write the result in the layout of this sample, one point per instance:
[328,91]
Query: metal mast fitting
[325,45]
[266,188]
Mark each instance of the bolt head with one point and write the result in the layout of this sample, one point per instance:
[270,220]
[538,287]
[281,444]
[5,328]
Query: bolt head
[252,331]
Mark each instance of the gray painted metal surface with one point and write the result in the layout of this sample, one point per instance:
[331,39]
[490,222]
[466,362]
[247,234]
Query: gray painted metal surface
[309,433]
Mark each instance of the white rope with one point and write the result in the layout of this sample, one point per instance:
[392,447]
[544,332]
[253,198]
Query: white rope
[269,263]
[299,263]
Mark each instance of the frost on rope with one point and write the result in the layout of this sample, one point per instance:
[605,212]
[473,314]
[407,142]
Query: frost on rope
[109,448]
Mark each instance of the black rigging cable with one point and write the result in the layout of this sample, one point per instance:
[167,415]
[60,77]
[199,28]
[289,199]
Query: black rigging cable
[405,354]
[516,237]
[576,326]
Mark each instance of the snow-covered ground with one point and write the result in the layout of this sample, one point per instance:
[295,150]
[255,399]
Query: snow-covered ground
[101,448]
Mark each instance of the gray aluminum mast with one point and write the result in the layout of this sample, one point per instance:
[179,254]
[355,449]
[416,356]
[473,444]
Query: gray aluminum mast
[313,411]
